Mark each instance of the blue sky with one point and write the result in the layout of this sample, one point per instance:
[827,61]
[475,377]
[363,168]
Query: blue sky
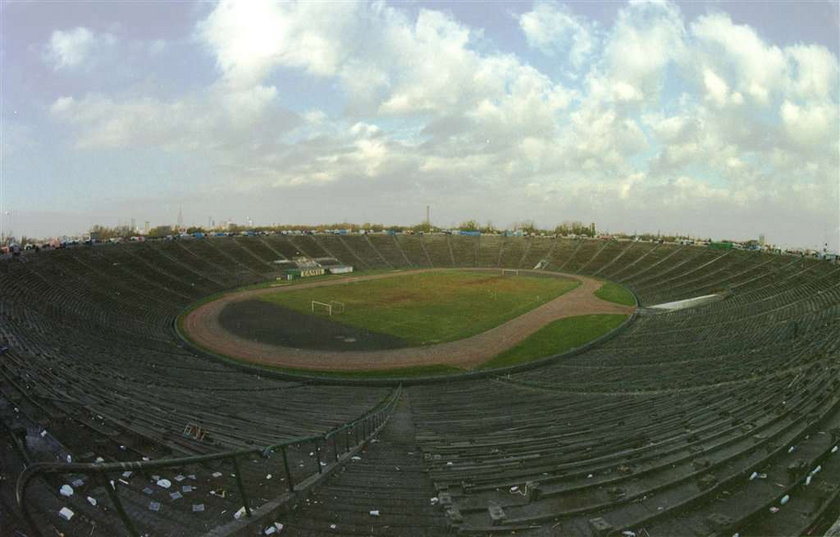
[710,118]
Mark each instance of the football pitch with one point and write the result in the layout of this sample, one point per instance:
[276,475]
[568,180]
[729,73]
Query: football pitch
[430,307]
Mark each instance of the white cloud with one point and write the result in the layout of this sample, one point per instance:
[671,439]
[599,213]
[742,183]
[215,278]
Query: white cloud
[812,124]
[655,115]
[74,49]
[646,38]
[814,72]
[554,30]
[251,38]
[217,118]
[757,70]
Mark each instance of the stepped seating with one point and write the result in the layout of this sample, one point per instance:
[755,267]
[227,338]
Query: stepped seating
[512,250]
[627,258]
[243,255]
[464,250]
[586,250]
[536,250]
[561,253]
[363,249]
[489,250]
[427,250]
[719,419]
[609,251]
[281,245]
[339,249]
[389,249]
[383,491]
[258,248]
[308,245]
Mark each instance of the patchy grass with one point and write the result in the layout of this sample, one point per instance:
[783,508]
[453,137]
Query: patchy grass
[556,337]
[612,292]
[431,307]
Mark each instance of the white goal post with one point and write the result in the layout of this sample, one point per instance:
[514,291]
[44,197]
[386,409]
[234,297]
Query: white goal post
[333,306]
[510,272]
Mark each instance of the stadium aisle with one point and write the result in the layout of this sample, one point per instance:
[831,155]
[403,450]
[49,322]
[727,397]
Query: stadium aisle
[383,492]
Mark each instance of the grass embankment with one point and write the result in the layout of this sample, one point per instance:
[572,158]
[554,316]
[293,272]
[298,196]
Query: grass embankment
[556,337]
[431,307]
[612,292]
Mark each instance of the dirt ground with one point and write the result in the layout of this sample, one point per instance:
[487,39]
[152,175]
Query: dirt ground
[266,322]
[203,327]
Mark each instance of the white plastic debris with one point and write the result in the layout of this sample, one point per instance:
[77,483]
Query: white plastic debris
[43,433]
[374,512]
[164,483]
[271,530]
[99,460]
[279,526]
[217,474]
[834,449]
[774,509]
[791,449]
[785,499]
[808,480]
[268,476]
[65,513]
[753,475]
[628,533]
[355,458]
[69,458]
[66,490]
[179,478]
[91,501]
[434,500]
[332,526]
[126,474]
[816,470]
[239,514]
[590,476]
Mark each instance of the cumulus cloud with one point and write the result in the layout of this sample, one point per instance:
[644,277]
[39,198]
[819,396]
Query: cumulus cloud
[76,48]
[250,38]
[556,31]
[657,111]
[756,69]
[215,119]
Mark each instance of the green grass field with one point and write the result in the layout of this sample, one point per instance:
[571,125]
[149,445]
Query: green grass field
[613,292]
[431,307]
[556,337]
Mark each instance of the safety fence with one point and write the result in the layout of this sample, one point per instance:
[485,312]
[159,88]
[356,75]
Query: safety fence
[140,490]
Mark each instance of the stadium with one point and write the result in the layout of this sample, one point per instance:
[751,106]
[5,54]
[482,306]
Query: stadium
[718,418]
[423,268]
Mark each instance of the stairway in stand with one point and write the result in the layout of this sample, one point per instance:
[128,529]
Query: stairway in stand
[384,492]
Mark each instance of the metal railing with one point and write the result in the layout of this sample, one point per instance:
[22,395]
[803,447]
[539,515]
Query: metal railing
[333,444]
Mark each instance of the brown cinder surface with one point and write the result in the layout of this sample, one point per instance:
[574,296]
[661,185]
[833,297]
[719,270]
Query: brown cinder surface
[202,327]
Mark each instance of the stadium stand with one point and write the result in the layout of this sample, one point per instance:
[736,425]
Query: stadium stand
[719,419]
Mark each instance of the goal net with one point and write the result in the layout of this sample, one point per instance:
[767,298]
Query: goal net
[330,308]
[510,272]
